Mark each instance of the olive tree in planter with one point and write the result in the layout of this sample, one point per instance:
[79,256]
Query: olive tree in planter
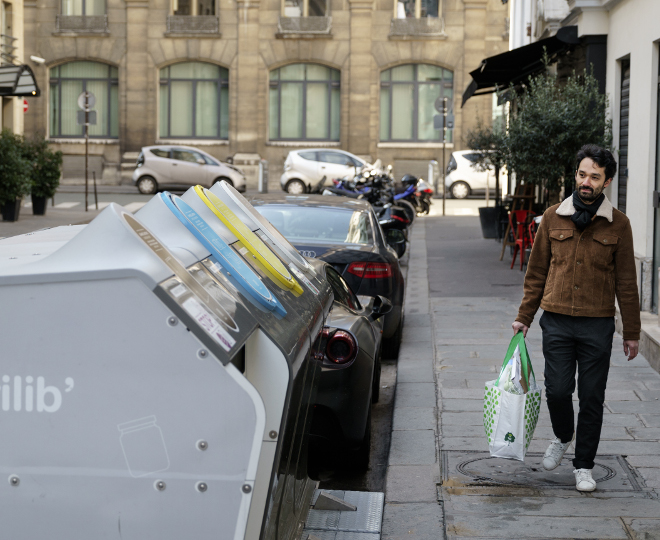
[14,175]
[45,172]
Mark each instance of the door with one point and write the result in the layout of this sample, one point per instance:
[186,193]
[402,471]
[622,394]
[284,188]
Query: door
[189,167]
[158,161]
[623,135]
[334,165]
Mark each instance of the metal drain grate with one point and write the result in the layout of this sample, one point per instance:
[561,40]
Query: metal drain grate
[362,524]
[473,469]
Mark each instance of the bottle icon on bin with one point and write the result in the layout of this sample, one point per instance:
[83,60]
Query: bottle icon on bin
[144,447]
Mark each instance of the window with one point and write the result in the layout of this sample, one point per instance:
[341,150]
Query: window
[193,7]
[66,84]
[407,96]
[304,103]
[187,155]
[309,156]
[305,8]
[408,9]
[161,152]
[83,7]
[194,101]
[341,290]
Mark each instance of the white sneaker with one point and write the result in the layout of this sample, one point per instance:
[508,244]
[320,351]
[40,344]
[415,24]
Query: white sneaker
[583,480]
[554,453]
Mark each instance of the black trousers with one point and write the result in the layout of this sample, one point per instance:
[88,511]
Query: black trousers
[585,343]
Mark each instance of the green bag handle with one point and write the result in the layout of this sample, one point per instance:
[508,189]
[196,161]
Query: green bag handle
[518,340]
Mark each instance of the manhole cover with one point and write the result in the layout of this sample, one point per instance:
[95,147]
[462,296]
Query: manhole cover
[478,468]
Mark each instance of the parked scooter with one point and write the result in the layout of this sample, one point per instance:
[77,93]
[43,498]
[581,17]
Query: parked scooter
[424,196]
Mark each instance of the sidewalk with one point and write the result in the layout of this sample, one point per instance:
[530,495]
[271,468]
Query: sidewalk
[441,481]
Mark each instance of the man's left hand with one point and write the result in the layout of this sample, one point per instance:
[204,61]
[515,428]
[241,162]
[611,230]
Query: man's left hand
[630,348]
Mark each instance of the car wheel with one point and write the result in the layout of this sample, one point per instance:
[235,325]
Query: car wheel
[459,190]
[375,385]
[147,185]
[392,344]
[295,187]
[360,461]
[223,178]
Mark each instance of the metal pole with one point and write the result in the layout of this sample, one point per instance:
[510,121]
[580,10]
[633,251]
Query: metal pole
[96,195]
[444,167]
[86,145]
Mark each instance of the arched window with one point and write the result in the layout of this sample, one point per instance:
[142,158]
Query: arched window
[304,103]
[67,81]
[407,95]
[194,101]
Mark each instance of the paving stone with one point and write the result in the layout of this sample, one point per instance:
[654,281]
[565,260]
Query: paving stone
[620,395]
[415,521]
[478,443]
[484,370]
[648,395]
[462,393]
[635,407]
[413,349]
[418,321]
[413,418]
[629,447]
[646,434]
[468,405]
[644,461]
[462,418]
[413,448]
[528,527]
[645,529]
[415,395]
[419,370]
[412,483]
[651,476]
[452,383]
[650,420]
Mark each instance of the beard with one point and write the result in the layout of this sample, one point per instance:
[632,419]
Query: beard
[589,194]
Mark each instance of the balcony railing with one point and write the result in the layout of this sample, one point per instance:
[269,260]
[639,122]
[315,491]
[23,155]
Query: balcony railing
[93,24]
[304,26]
[193,24]
[422,27]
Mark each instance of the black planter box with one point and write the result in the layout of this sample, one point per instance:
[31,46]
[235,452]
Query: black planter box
[11,210]
[39,205]
[489,218]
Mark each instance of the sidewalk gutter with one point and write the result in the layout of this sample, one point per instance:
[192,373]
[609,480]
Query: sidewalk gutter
[411,502]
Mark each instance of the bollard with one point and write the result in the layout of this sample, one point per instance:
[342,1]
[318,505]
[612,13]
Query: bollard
[263,176]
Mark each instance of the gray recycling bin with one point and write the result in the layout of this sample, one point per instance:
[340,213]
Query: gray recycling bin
[147,390]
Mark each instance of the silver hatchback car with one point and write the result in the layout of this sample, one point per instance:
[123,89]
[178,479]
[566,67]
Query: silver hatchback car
[179,167]
[303,169]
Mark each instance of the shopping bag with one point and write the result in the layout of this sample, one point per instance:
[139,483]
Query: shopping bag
[512,403]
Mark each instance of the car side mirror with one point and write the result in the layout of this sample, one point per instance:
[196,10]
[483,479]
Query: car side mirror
[382,306]
[394,237]
[201,161]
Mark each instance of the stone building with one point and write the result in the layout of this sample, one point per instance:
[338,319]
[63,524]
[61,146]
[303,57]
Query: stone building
[254,79]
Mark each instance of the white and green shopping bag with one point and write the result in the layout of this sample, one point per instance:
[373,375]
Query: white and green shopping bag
[512,403]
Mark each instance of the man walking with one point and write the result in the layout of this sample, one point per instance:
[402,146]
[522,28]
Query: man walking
[582,258]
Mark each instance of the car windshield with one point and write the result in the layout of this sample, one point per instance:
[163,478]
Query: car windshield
[313,224]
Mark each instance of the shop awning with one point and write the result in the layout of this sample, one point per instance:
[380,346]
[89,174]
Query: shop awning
[513,67]
[18,81]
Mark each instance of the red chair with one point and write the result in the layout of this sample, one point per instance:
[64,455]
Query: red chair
[518,224]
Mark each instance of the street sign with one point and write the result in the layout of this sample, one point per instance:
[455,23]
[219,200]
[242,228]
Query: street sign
[91,100]
[439,104]
[26,105]
[450,121]
[80,118]
[437,122]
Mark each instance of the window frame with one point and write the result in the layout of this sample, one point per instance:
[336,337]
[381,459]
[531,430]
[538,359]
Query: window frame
[418,10]
[222,83]
[84,14]
[111,82]
[415,111]
[305,10]
[194,11]
[277,83]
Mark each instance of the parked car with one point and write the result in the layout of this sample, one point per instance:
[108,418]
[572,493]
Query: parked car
[305,168]
[350,377]
[345,233]
[464,178]
[180,167]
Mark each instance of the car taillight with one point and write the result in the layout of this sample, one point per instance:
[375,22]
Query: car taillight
[370,270]
[341,347]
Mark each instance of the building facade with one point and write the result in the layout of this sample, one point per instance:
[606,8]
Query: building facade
[253,79]
[12,46]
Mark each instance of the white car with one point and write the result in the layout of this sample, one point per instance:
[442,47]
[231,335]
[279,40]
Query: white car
[303,169]
[179,167]
[464,178]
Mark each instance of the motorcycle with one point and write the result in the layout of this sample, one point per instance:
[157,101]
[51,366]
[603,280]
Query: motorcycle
[424,195]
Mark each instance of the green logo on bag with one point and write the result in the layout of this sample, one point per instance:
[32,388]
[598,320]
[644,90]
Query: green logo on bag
[509,438]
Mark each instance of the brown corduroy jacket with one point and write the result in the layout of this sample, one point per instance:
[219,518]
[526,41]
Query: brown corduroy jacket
[578,273]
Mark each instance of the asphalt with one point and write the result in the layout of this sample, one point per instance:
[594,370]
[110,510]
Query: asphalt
[441,482]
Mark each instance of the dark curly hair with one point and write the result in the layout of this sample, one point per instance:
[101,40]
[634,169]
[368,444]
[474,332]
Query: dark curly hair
[600,156]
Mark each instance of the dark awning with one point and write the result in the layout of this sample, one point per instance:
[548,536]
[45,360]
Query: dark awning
[515,66]
[18,81]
